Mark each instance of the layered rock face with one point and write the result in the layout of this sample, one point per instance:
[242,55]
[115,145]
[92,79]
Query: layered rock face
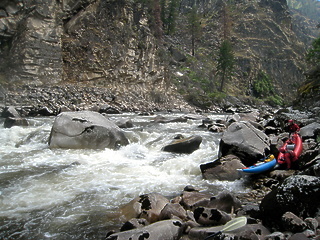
[111,44]
[102,43]
[30,35]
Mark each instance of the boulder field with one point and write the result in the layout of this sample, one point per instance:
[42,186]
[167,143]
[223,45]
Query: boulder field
[282,204]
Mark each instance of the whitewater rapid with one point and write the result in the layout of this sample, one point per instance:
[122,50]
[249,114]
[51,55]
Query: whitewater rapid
[74,194]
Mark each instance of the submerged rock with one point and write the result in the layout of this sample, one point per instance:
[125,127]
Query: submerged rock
[184,145]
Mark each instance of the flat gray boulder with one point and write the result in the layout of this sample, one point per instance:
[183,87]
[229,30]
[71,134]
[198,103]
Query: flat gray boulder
[85,130]
[245,141]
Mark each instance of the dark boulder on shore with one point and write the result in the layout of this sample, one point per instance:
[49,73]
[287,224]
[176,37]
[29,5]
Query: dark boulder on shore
[298,194]
[85,129]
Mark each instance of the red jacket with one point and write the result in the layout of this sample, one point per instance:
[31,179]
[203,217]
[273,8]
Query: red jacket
[294,128]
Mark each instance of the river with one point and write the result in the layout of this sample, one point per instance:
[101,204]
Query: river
[75,194]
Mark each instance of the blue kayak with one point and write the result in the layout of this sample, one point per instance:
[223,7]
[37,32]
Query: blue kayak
[259,167]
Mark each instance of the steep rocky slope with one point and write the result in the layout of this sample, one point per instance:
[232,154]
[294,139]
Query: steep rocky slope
[266,36]
[112,44]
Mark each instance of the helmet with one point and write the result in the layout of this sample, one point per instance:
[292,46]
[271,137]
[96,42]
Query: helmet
[290,121]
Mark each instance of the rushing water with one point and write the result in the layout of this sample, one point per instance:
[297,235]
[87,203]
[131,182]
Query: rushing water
[74,194]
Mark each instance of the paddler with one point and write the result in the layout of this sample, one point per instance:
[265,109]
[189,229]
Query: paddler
[293,127]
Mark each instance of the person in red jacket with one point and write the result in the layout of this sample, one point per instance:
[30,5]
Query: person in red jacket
[293,127]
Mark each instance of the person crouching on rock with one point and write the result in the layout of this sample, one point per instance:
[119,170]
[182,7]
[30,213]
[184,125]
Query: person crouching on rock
[293,127]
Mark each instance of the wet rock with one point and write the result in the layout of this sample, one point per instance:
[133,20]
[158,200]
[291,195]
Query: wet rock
[45,111]
[314,169]
[12,121]
[250,231]
[161,119]
[124,123]
[108,110]
[245,141]
[251,210]
[293,223]
[191,200]
[222,169]
[281,174]
[10,112]
[312,223]
[184,145]
[172,210]
[167,229]
[276,236]
[310,234]
[217,127]
[298,194]
[299,236]
[225,201]
[210,216]
[147,206]
[77,130]
[134,223]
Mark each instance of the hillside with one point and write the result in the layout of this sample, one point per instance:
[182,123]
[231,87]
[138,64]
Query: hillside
[123,46]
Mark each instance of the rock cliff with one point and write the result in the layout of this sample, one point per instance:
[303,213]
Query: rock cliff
[111,44]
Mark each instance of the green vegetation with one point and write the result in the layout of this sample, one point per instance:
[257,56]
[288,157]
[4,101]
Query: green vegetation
[313,54]
[169,12]
[225,63]
[263,89]
[194,25]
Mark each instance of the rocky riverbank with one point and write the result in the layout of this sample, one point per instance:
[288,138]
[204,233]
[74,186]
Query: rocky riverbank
[283,204]
[51,100]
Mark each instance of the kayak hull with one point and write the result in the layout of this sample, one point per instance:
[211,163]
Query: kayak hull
[259,168]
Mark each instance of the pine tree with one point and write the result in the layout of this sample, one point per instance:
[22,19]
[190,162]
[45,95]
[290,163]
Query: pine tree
[172,15]
[195,27]
[225,63]
[226,55]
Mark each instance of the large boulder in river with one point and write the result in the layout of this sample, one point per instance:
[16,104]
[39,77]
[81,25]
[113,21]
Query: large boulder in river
[85,129]
[298,194]
[245,141]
